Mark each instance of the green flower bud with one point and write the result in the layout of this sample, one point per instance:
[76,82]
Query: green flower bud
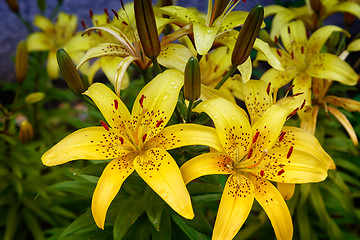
[34,97]
[192,83]
[13,5]
[146,27]
[21,61]
[69,72]
[26,132]
[247,35]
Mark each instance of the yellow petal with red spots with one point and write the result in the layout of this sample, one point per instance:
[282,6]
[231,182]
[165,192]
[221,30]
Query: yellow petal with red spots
[180,135]
[235,205]
[206,164]
[93,143]
[208,93]
[286,189]
[231,123]
[155,104]
[66,25]
[109,185]
[278,78]
[292,34]
[346,103]
[329,66]
[309,118]
[174,56]
[302,84]
[275,207]
[160,171]
[110,105]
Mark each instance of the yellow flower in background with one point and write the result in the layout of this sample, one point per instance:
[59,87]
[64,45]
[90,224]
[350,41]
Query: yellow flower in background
[302,60]
[255,153]
[62,34]
[136,141]
[312,18]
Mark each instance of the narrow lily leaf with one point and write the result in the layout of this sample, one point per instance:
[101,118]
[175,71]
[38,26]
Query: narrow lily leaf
[12,219]
[33,225]
[104,50]
[82,188]
[204,37]
[82,222]
[191,233]
[154,207]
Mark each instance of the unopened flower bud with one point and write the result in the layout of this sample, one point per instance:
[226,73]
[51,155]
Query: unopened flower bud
[349,19]
[13,5]
[218,9]
[164,3]
[69,72]
[42,5]
[21,61]
[247,35]
[192,83]
[26,133]
[146,27]
[34,97]
[316,6]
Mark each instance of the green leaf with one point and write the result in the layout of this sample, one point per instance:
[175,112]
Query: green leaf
[128,212]
[85,221]
[12,220]
[154,207]
[189,231]
[200,222]
[41,4]
[165,227]
[82,188]
[33,225]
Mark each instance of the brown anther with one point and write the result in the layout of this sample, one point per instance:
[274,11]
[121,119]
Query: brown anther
[83,24]
[116,104]
[141,101]
[122,4]
[125,23]
[302,49]
[307,33]
[278,52]
[297,94]
[268,88]
[276,40]
[104,125]
[280,172]
[108,20]
[250,153]
[288,90]
[100,34]
[115,13]
[282,135]
[292,55]
[144,137]
[122,140]
[106,11]
[91,13]
[288,29]
[256,137]
[289,152]
[216,68]
[262,173]
[159,122]
[303,104]
[292,113]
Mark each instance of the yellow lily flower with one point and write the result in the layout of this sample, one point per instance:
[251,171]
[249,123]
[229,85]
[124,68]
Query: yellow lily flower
[312,18]
[136,141]
[255,153]
[302,60]
[62,34]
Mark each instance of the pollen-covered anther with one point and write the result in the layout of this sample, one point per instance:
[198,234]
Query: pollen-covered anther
[276,41]
[289,152]
[302,49]
[256,137]
[91,13]
[292,113]
[282,135]
[280,172]
[292,55]
[159,123]
[278,52]
[144,137]
[141,101]
[106,11]
[268,88]
[83,24]
[116,104]
[104,125]
[303,104]
[115,13]
[250,153]
[262,173]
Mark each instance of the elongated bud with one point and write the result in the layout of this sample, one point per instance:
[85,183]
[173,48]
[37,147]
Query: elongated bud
[192,83]
[163,3]
[146,27]
[316,6]
[21,61]
[34,97]
[41,4]
[26,133]
[69,72]
[247,35]
[13,5]
[218,9]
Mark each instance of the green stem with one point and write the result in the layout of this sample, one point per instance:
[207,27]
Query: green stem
[17,93]
[188,115]
[26,23]
[156,65]
[226,76]
[56,9]
[145,76]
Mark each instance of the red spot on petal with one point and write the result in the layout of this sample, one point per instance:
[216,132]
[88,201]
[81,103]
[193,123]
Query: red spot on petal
[262,173]
[116,104]
[121,140]
[290,152]
[280,172]
[250,153]
[276,40]
[302,49]
[141,101]
[104,125]
[256,136]
[307,33]
[144,137]
[216,68]
[282,136]
[159,122]
[292,55]
[288,29]
[278,52]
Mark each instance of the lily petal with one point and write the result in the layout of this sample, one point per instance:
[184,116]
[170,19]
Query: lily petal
[275,207]
[205,164]
[78,42]
[204,37]
[293,33]
[354,46]
[39,42]
[44,24]
[208,93]
[232,20]
[121,73]
[155,103]
[174,56]
[346,103]
[278,78]
[320,36]
[231,123]
[93,143]
[245,70]
[302,84]
[66,24]
[349,7]
[309,118]
[180,135]
[286,189]
[235,205]
[270,57]
[110,105]
[108,64]
[182,13]
[104,50]
[52,66]
[345,122]
[160,171]
[329,66]
[109,185]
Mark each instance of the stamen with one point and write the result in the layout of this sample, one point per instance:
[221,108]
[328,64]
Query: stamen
[292,113]
[292,55]
[268,88]
[262,173]
[250,153]
[302,49]
[297,94]
[141,101]
[278,52]
[108,20]
[289,152]
[264,153]
[159,122]
[115,13]
[122,4]
[125,23]
[116,104]
[256,136]
[83,24]
[288,90]
[144,137]
[91,13]
[104,125]
[307,33]
[276,40]
[106,11]
[282,135]
[280,172]
[288,29]
[303,104]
